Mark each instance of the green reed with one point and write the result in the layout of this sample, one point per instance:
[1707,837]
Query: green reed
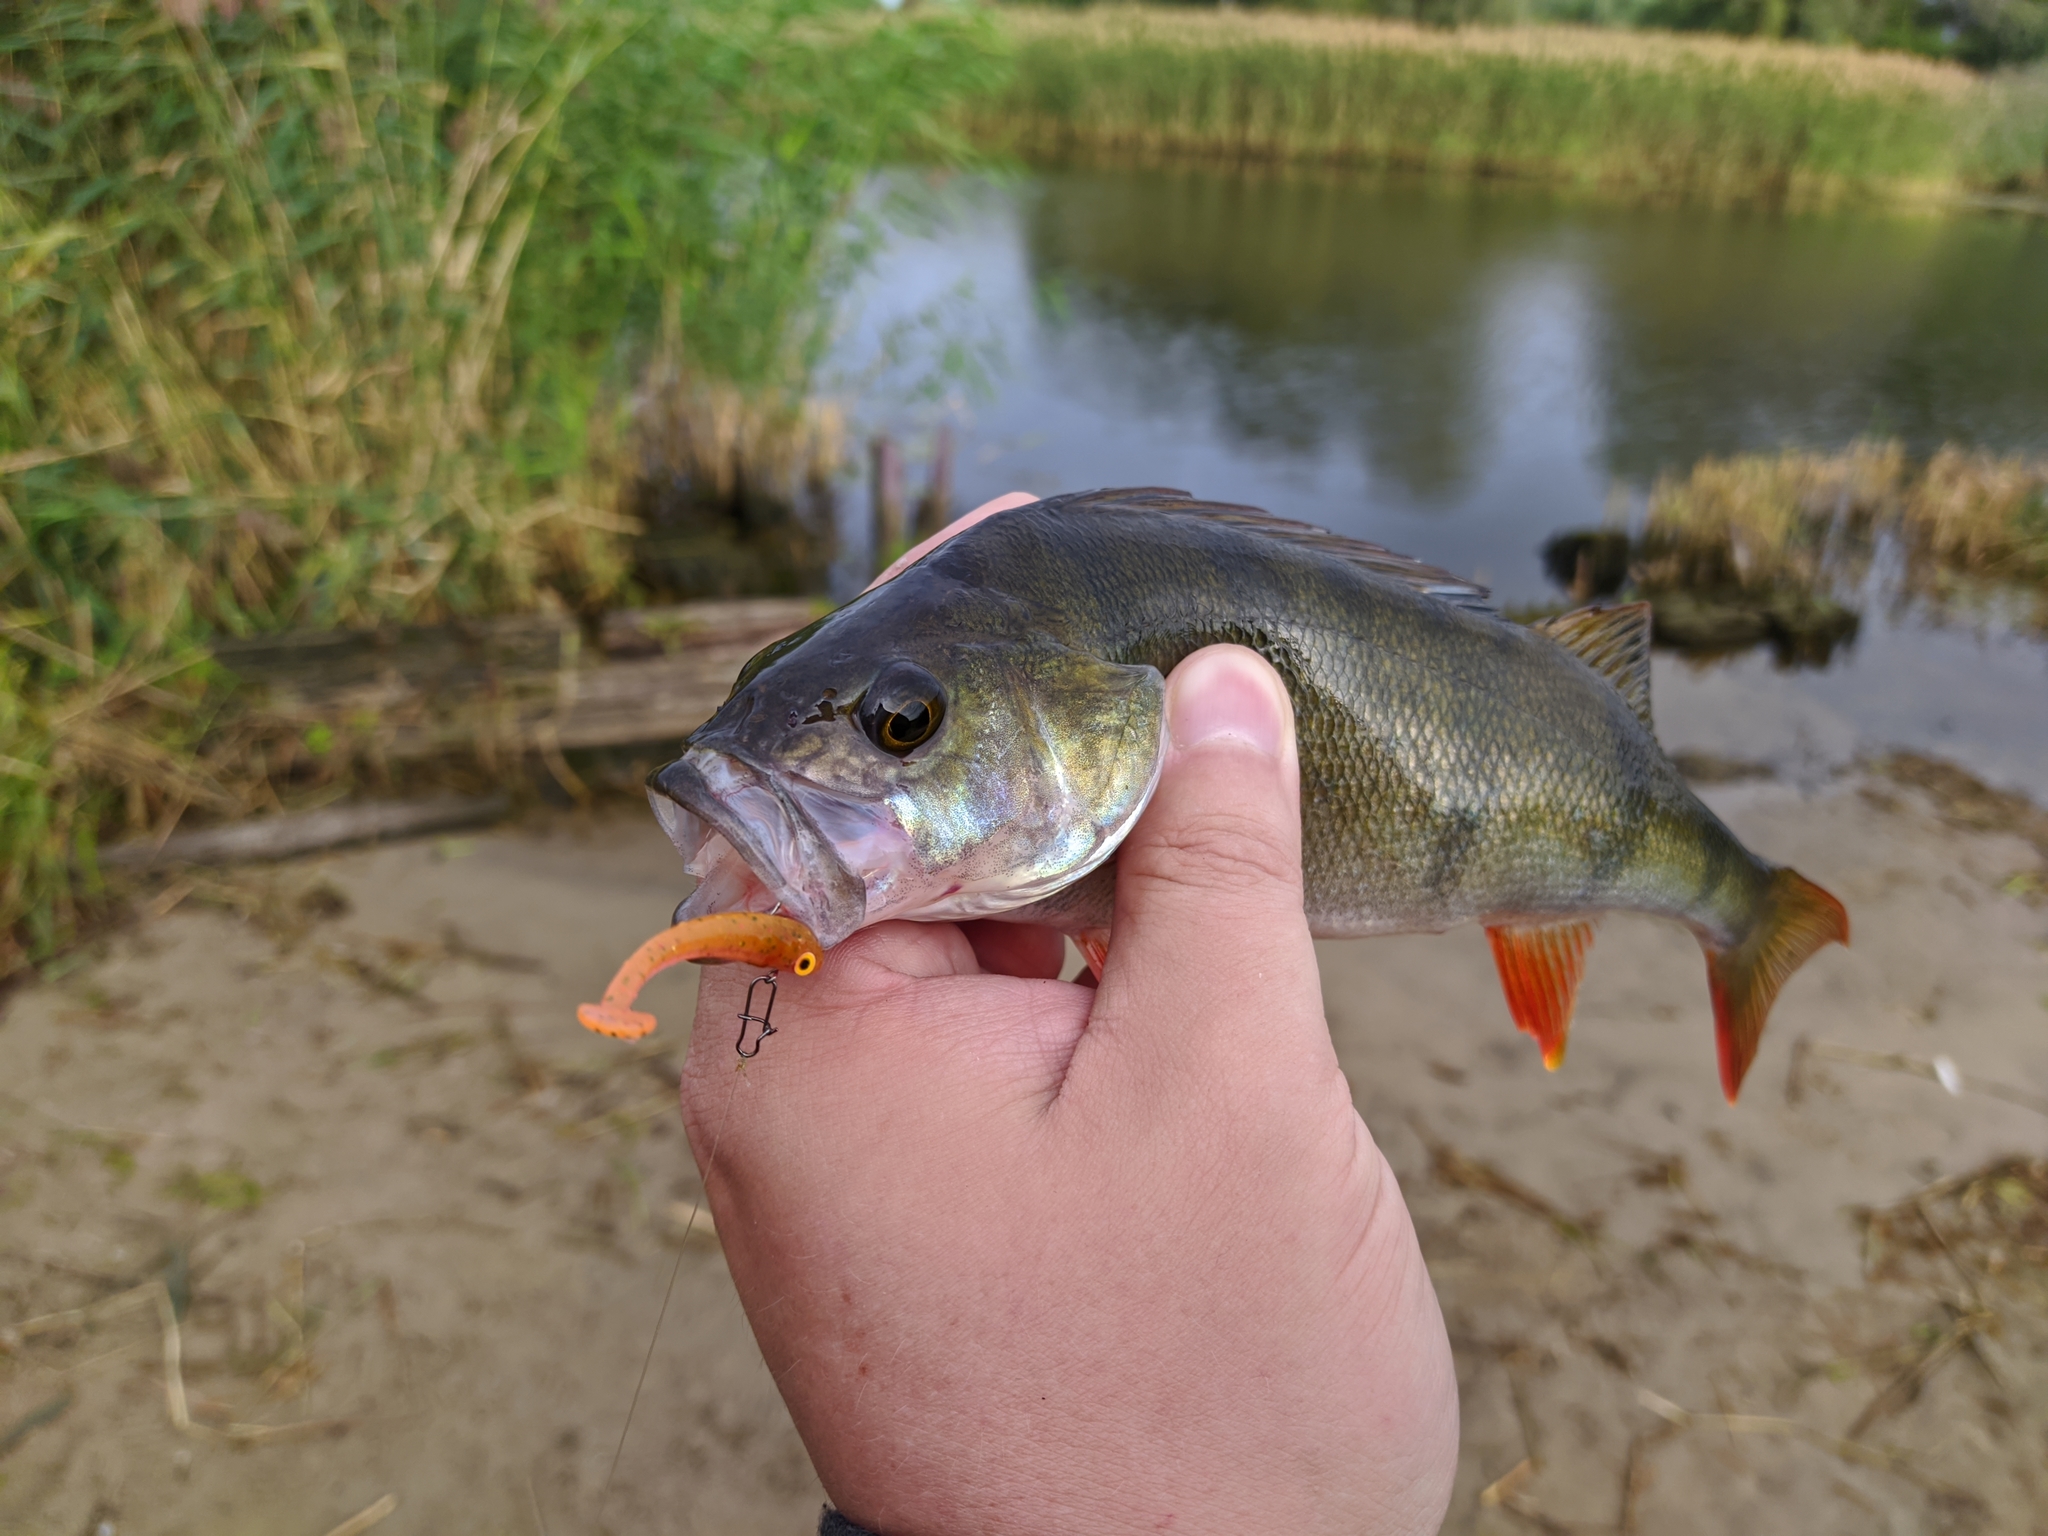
[336,312]
[1664,114]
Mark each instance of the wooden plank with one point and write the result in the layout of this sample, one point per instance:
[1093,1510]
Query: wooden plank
[320,671]
[756,621]
[512,685]
[295,832]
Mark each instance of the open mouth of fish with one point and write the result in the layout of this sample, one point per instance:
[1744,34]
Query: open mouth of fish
[776,842]
[760,843]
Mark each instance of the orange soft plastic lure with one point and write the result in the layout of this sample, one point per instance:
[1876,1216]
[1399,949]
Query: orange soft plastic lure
[751,938]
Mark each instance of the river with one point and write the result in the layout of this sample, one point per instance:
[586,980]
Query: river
[1457,370]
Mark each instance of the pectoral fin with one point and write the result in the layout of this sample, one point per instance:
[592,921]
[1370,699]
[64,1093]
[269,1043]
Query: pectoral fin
[1540,967]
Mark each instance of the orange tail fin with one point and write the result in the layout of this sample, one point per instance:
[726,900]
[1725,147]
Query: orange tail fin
[1798,917]
[1540,970]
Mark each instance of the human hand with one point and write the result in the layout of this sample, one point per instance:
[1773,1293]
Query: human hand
[1028,1256]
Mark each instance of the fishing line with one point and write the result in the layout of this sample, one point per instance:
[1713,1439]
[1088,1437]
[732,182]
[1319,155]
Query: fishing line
[747,1016]
[682,1245]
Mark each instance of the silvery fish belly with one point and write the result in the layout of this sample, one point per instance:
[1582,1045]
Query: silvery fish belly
[974,738]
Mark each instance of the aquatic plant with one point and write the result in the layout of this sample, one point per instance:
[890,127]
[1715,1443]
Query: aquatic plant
[332,312]
[1667,114]
[1982,513]
[1760,522]
[1773,547]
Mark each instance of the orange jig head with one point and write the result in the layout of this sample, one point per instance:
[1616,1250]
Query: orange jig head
[752,938]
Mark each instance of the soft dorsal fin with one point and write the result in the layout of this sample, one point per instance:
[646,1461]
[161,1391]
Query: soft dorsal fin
[1380,561]
[1615,642]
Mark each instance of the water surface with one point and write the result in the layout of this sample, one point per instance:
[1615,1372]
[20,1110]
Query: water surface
[1458,371]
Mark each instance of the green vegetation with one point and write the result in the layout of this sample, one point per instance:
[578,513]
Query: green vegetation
[116,1153]
[1981,33]
[337,312]
[1669,115]
[224,1189]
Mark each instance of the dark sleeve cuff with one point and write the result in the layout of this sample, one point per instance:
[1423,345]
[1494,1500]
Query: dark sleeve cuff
[833,1523]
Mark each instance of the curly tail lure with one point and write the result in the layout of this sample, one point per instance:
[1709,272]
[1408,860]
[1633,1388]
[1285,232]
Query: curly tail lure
[750,938]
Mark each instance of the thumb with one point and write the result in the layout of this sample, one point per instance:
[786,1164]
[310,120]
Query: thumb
[1209,931]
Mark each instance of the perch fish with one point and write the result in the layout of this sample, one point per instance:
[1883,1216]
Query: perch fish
[973,738]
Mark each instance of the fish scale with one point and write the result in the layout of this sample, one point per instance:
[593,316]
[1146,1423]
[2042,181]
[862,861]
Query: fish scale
[1455,766]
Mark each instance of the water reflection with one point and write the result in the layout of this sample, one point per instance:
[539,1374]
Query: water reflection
[1459,371]
[1432,327]
[1744,331]
[1309,314]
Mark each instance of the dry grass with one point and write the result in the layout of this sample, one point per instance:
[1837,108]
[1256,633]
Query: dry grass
[1981,513]
[1764,521]
[734,442]
[1987,1225]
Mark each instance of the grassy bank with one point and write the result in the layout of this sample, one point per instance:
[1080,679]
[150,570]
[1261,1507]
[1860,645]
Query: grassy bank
[1660,113]
[333,312]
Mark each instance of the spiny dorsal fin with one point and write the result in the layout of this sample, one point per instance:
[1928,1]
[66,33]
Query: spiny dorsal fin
[1615,642]
[1380,561]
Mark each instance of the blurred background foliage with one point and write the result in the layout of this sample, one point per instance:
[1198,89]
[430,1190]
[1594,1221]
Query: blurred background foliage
[1981,33]
[340,312]
[1654,114]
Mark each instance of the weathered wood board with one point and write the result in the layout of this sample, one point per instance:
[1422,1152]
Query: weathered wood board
[509,685]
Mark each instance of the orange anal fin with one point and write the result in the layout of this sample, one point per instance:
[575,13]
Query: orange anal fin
[1540,967]
[753,938]
[1797,918]
[1094,946]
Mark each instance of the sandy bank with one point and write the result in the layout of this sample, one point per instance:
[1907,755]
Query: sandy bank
[466,1208]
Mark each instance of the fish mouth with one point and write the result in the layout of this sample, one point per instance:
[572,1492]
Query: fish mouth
[753,845]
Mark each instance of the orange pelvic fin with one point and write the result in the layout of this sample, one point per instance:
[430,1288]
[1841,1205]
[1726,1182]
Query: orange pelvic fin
[1540,967]
[753,938]
[1798,917]
[1094,946]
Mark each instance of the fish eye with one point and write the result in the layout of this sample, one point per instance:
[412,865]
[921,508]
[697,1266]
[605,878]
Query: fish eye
[902,708]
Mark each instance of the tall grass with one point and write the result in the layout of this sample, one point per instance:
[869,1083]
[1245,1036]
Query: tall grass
[1691,115]
[340,311]
[1980,33]
[1983,514]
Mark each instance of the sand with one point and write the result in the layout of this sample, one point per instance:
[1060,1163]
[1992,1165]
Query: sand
[421,1223]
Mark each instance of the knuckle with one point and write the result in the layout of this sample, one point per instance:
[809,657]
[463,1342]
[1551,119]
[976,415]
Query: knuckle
[1218,848]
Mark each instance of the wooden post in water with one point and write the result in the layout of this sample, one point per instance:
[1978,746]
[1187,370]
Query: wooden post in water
[935,506]
[885,463]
